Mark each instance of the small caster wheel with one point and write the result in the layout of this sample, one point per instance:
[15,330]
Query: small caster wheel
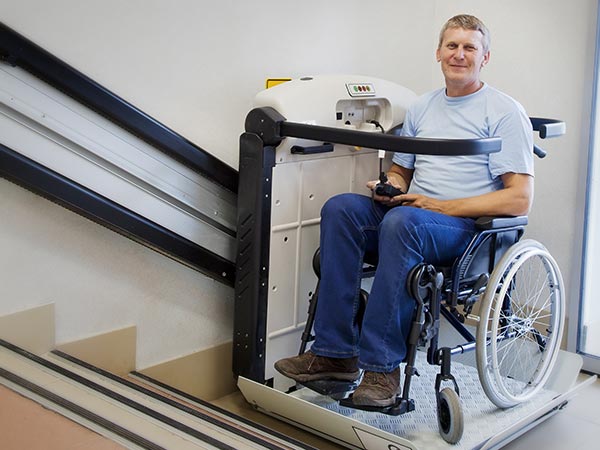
[450,416]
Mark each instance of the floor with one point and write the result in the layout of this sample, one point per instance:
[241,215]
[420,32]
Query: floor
[26,425]
[576,427]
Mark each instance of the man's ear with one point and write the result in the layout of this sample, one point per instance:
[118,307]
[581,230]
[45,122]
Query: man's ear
[486,59]
[437,55]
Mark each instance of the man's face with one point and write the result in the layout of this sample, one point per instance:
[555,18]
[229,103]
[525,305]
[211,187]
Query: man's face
[462,57]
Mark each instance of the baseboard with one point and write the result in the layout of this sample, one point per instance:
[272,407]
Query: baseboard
[205,374]
[114,351]
[31,329]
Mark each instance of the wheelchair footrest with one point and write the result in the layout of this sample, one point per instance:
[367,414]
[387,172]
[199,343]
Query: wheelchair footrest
[401,406]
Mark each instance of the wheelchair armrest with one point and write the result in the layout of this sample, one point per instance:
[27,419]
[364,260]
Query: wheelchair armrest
[492,223]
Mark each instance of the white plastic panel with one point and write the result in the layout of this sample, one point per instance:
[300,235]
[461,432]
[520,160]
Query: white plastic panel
[307,280]
[321,179]
[285,194]
[282,280]
[300,188]
[366,168]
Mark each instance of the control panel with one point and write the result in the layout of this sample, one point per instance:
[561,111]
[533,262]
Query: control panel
[361,89]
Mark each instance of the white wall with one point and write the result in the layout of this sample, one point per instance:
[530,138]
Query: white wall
[100,281]
[196,65]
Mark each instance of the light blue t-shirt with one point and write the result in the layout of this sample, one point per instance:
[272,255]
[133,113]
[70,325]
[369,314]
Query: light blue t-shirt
[485,113]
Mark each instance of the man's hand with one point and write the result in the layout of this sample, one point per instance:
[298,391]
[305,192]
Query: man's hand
[423,202]
[383,199]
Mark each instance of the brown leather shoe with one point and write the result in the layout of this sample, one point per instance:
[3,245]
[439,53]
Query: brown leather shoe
[310,367]
[377,389]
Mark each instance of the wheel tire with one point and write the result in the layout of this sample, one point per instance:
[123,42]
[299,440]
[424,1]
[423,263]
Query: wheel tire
[522,306]
[451,421]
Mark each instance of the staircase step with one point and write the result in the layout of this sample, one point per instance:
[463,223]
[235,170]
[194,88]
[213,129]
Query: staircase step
[132,410]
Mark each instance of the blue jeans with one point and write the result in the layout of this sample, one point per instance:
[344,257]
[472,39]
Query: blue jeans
[352,224]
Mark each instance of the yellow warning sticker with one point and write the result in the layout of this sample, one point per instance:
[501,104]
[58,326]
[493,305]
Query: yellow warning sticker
[275,81]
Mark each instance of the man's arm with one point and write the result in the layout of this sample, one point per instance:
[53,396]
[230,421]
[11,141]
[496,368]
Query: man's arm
[400,177]
[513,200]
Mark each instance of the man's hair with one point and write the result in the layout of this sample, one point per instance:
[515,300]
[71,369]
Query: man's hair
[467,22]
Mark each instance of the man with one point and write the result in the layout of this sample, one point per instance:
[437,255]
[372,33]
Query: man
[434,223]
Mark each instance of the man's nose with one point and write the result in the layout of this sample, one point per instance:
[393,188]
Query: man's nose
[460,52]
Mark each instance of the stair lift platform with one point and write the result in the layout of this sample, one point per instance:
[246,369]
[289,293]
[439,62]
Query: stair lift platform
[309,139]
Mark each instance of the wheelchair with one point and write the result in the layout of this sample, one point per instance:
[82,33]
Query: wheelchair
[516,288]
[509,289]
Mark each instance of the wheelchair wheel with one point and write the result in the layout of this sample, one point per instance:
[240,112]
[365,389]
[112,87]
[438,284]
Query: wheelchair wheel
[521,324]
[450,416]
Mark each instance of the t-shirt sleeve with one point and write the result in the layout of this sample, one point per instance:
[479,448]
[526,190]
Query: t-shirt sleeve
[516,155]
[406,160]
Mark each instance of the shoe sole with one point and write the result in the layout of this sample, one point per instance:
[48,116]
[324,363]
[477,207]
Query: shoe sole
[338,376]
[383,403]
[378,403]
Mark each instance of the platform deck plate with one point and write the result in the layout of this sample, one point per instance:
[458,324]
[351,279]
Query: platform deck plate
[486,426]
[482,418]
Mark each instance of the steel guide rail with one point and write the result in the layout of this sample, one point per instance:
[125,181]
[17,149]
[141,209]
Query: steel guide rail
[19,51]
[77,198]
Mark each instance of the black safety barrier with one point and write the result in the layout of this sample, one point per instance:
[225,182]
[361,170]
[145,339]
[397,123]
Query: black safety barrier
[272,127]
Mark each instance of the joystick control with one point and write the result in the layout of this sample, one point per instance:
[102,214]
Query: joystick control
[384,189]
